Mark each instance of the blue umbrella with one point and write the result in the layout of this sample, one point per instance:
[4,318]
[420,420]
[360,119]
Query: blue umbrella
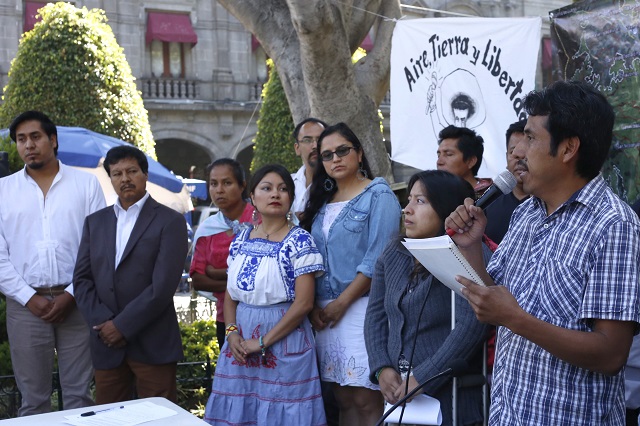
[197,188]
[84,148]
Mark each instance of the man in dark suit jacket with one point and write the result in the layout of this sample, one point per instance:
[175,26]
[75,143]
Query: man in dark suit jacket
[128,267]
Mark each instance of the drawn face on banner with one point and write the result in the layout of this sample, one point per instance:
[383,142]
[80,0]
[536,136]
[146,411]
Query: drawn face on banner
[460,101]
[463,108]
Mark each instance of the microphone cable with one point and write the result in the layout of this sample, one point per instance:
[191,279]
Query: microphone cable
[415,337]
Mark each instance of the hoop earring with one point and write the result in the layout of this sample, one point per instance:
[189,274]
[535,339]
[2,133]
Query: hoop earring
[328,184]
[363,172]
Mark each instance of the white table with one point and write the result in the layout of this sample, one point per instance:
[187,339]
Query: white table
[183,418]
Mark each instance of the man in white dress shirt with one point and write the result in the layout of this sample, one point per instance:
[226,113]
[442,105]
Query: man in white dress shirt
[41,217]
[306,136]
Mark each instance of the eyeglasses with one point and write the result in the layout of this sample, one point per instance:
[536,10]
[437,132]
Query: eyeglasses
[309,139]
[340,152]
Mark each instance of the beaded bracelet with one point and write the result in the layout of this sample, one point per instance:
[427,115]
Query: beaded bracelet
[230,328]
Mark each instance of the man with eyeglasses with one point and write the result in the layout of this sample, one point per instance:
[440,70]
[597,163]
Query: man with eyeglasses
[306,136]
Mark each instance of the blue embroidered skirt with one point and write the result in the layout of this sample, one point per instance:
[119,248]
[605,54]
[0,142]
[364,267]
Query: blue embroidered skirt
[282,390]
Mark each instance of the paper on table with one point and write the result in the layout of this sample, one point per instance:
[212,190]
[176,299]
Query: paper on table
[422,410]
[129,415]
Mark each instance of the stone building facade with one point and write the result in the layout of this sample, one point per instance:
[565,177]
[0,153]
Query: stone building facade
[201,74]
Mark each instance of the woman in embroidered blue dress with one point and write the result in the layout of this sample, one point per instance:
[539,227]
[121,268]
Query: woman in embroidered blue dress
[351,218]
[267,370]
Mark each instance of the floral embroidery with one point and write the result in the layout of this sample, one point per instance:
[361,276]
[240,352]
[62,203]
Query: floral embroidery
[296,255]
[334,365]
[353,371]
[337,351]
[328,367]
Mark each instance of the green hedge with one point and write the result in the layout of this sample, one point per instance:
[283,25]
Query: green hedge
[5,358]
[70,67]
[199,342]
[15,162]
[194,384]
[274,141]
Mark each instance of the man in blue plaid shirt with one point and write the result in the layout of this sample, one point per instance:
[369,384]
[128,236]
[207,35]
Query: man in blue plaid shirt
[566,293]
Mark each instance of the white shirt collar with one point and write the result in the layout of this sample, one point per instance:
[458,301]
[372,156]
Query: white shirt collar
[117,207]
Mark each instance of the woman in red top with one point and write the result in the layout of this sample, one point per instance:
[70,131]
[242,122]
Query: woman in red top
[227,188]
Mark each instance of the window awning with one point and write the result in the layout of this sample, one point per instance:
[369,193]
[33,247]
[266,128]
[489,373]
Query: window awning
[170,27]
[30,12]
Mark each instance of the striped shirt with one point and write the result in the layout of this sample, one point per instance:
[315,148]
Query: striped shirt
[577,264]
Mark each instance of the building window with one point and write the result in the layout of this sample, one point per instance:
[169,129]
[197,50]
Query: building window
[167,59]
[169,35]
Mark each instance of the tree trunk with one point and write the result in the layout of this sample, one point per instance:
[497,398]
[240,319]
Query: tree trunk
[311,43]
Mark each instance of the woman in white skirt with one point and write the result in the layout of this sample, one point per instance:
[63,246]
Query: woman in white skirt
[351,216]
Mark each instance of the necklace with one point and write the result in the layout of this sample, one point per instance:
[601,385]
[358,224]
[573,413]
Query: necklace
[273,232]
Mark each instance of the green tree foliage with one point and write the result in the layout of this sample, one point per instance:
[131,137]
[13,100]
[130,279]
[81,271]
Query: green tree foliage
[199,342]
[15,162]
[5,357]
[71,67]
[273,142]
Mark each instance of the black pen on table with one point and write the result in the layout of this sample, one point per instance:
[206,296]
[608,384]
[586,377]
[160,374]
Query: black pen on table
[93,413]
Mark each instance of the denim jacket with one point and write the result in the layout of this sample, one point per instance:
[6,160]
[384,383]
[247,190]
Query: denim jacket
[356,238]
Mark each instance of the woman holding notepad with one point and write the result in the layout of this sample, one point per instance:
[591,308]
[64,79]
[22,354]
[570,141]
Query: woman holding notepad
[408,325]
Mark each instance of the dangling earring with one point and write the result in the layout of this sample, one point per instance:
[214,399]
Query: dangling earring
[363,172]
[289,216]
[255,216]
[328,184]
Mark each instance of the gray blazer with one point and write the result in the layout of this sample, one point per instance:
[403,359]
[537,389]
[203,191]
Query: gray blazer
[389,330]
[138,294]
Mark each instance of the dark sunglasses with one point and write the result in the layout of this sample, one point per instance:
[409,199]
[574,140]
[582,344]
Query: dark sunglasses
[340,152]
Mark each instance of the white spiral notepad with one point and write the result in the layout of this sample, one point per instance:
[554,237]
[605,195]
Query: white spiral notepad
[443,259]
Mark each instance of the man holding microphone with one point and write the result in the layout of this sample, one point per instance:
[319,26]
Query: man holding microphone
[563,284]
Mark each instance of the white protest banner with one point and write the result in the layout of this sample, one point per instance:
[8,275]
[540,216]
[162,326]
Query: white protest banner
[468,72]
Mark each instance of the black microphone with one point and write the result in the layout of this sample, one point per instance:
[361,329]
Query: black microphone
[502,184]
[456,368]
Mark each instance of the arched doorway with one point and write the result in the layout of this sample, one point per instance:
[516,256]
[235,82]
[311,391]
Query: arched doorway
[180,156]
[245,157]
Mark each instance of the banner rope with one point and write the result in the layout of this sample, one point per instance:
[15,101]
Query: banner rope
[406,6]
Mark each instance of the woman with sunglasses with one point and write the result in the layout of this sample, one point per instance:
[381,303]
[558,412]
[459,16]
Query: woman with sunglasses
[351,217]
